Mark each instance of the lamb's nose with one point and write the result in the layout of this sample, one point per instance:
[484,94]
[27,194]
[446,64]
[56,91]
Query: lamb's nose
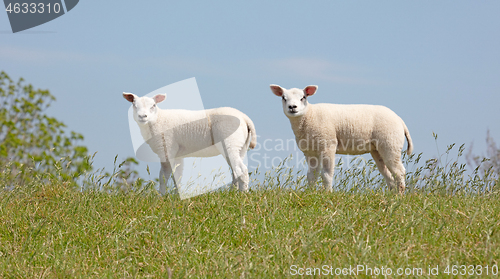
[142,116]
[292,107]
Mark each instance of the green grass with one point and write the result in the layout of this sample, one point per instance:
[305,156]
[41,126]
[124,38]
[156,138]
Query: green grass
[56,232]
[51,230]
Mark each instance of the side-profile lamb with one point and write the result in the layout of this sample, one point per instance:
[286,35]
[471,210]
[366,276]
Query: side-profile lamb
[177,134]
[323,130]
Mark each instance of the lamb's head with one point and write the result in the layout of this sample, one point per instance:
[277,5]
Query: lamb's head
[145,108]
[294,100]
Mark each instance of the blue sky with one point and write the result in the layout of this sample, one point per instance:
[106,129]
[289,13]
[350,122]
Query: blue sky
[437,65]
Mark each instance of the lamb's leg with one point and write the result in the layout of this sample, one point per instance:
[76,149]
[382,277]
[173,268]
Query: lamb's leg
[240,171]
[393,162]
[244,177]
[313,171]
[328,160]
[383,169]
[400,174]
[235,162]
[178,169]
[165,172]
[242,153]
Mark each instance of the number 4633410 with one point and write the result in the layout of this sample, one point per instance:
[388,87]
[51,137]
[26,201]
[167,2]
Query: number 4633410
[33,8]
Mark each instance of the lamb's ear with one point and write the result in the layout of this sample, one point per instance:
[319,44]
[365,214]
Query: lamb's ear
[159,98]
[277,90]
[129,96]
[310,90]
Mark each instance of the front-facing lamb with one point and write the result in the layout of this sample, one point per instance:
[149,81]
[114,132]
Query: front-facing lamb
[323,130]
[176,134]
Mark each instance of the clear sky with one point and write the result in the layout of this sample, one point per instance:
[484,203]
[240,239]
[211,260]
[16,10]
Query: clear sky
[435,63]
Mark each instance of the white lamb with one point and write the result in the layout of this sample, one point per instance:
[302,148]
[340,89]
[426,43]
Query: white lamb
[323,130]
[176,134]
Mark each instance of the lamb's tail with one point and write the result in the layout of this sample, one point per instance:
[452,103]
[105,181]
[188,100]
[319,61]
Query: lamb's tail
[409,150]
[251,132]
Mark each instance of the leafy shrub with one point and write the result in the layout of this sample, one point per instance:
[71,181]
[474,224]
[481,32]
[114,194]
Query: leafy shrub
[34,145]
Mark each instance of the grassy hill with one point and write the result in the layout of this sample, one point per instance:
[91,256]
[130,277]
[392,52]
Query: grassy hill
[50,230]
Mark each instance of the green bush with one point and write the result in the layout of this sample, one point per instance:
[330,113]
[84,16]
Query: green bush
[34,145]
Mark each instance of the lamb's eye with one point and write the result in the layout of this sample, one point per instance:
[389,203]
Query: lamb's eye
[303,98]
[283,97]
